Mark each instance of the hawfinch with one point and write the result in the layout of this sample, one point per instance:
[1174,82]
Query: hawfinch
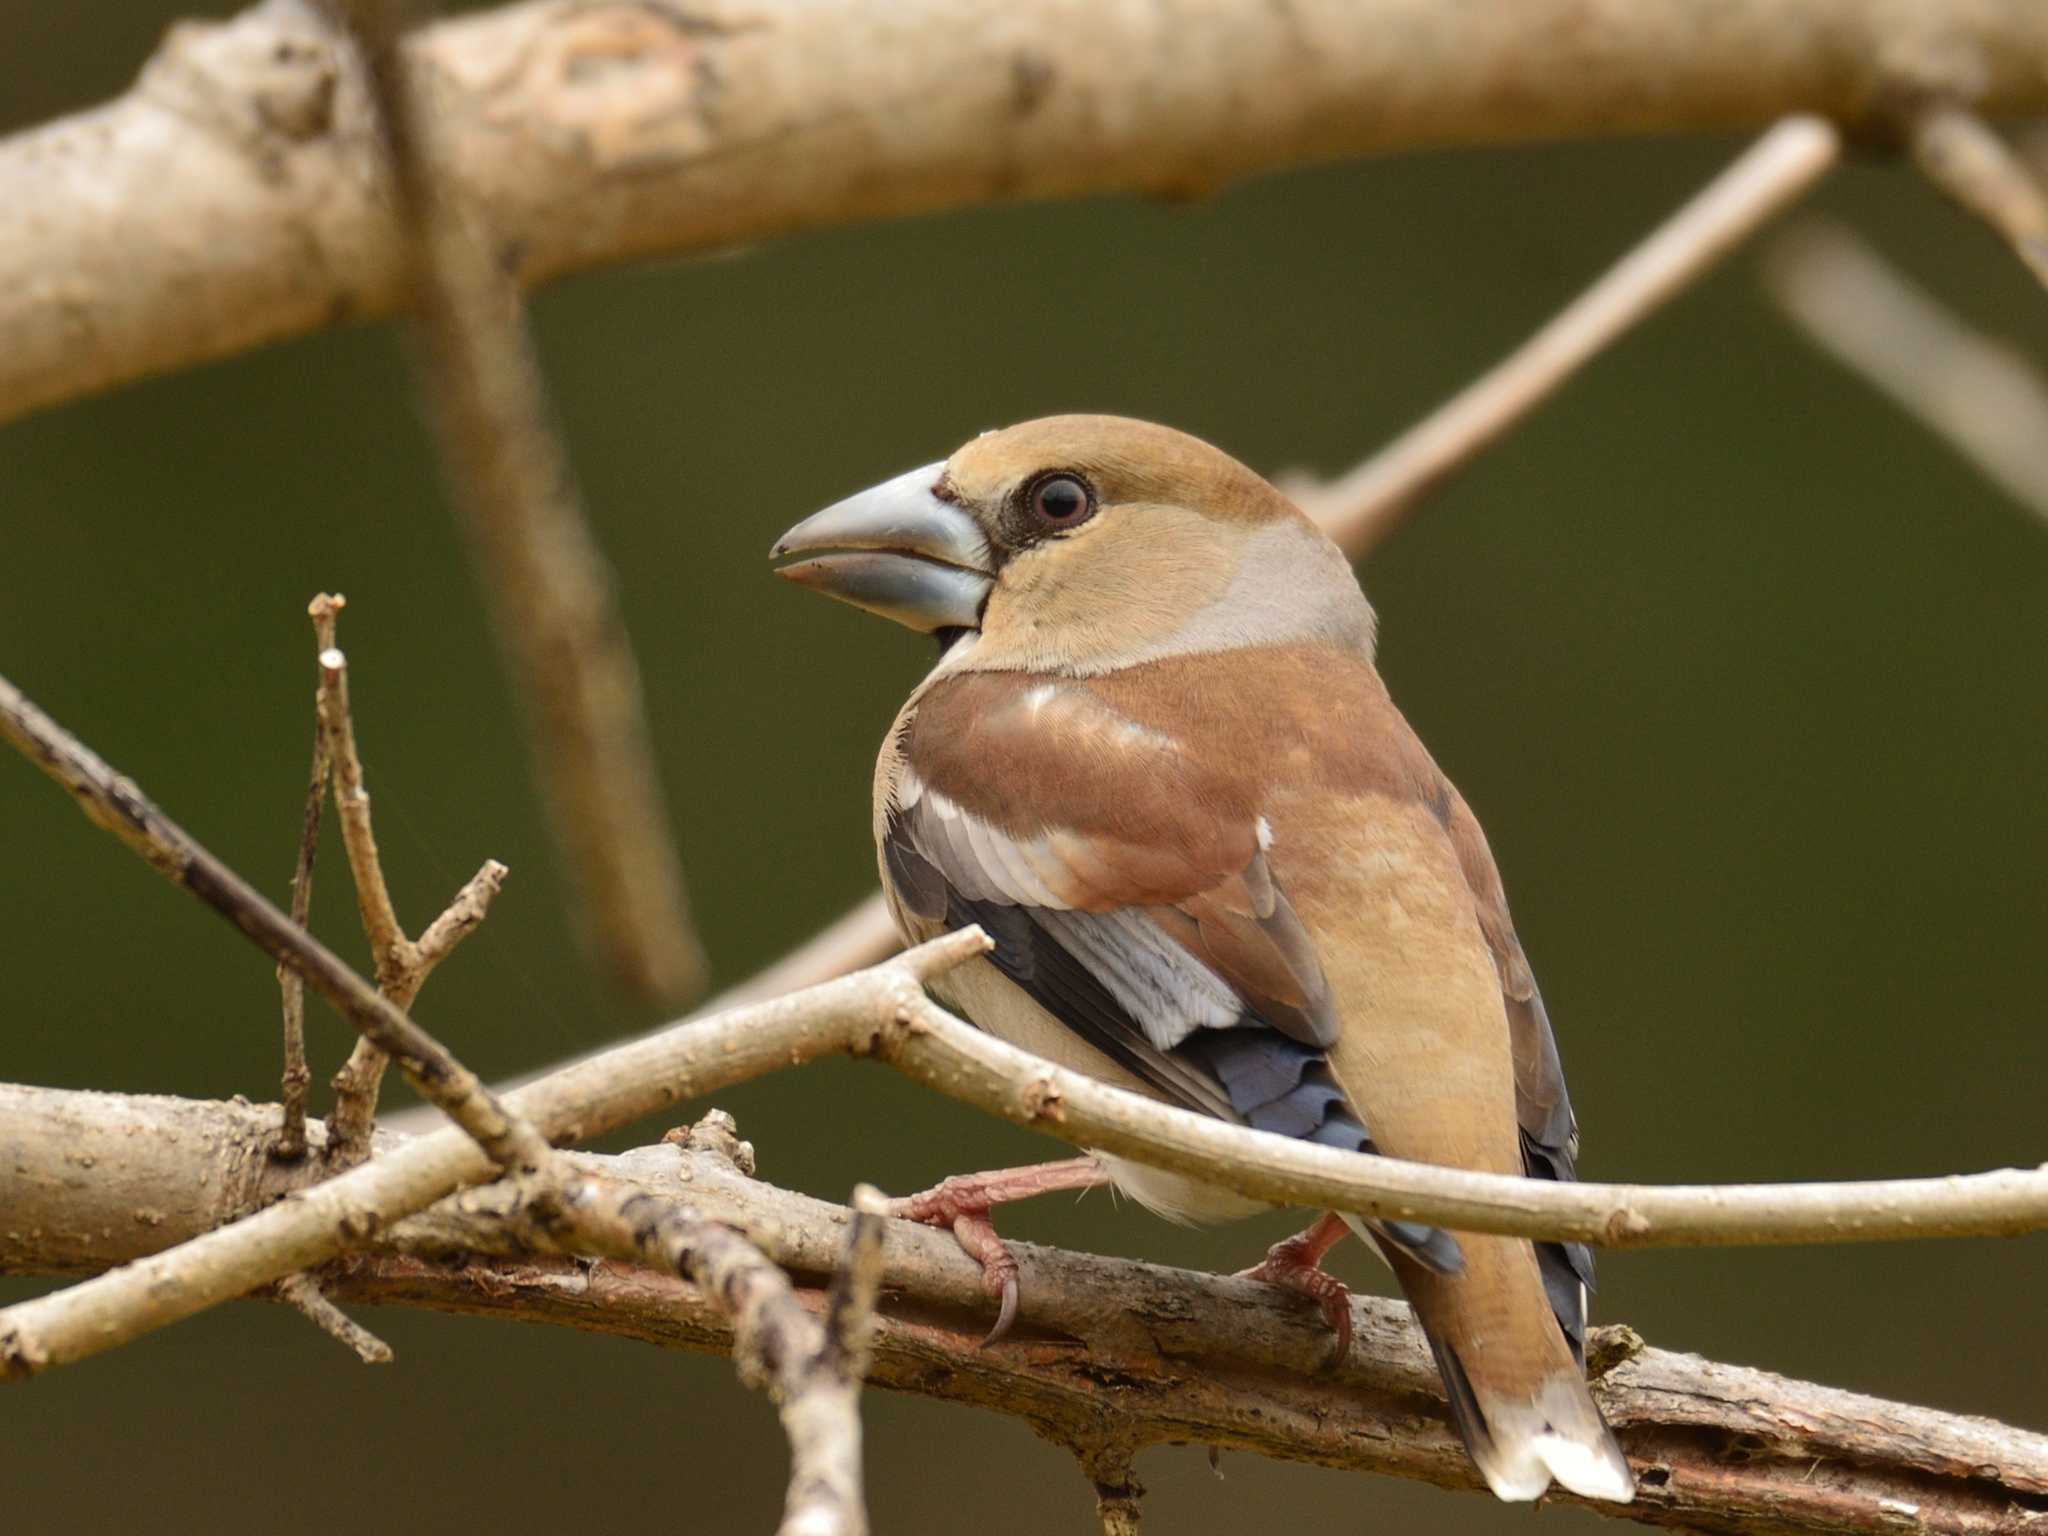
[1156,764]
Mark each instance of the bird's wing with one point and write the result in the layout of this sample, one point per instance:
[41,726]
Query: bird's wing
[1127,891]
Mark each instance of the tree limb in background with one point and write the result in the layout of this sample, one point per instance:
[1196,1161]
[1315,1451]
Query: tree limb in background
[551,593]
[1962,155]
[746,119]
[1977,393]
[1128,1353]
[1360,509]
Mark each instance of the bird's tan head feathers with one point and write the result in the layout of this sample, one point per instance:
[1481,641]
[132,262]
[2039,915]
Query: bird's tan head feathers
[1083,544]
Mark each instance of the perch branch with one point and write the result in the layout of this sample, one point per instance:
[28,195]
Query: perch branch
[747,119]
[1978,394]
[1964,156]
[1102,1346]
[882,1013]
[1363,507]
[551,593]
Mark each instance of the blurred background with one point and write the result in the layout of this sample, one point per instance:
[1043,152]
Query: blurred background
[1742,672]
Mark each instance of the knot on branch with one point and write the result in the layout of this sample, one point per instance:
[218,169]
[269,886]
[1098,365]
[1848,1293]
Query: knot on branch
[719,1134]
[264,81]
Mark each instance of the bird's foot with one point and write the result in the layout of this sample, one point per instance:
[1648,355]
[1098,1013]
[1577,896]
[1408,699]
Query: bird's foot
[964,1202]
[1296,1265]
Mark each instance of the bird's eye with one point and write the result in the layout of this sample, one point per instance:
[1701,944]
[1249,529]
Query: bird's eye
[1061,501]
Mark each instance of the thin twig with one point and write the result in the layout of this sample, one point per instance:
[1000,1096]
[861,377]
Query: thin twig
[1362,507]
[401,966]
[1964,156]
[390,950]
[1980,395]
[776,1339]
[116,804]
[864,936]
[291,1137]
[550,590]
[304,1293]
[345,1211]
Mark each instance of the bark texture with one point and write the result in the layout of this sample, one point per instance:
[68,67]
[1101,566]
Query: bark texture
[231,198]
[1105,1350]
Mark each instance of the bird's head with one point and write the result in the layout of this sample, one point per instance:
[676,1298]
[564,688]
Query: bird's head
[1082,544]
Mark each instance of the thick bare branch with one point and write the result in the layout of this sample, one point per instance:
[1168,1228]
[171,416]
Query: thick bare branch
[1103,1346]
[551,593]
[1978,393]
[748,118]
[1361,508]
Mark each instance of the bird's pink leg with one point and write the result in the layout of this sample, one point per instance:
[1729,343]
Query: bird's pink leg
[1296,1264]
[963,1203]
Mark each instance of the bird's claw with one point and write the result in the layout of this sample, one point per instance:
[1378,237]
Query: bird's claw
[960,1204]
[1286,1267]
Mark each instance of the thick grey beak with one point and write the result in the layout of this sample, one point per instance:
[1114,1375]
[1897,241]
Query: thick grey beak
[897,550]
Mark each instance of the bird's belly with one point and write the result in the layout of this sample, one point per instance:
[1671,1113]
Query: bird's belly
[995,1003]
[1175,1196]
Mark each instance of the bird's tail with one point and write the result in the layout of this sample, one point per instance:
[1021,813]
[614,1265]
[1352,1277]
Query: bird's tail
[1517,1391]
[1521,1445]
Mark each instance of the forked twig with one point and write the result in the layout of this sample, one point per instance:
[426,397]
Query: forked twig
[401,966]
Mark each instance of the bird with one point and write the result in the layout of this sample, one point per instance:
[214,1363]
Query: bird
[1156,763]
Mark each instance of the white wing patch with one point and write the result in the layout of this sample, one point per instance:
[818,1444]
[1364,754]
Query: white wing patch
[1166,990]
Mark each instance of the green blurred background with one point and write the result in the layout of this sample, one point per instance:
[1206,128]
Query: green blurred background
[1743,673]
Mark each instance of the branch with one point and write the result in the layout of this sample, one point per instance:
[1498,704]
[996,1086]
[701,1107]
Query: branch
[401,966]
[744,119]
[551,593]
[1363,507]
[882,1013]
[1103,1347]
[1962,155]
[291,1136]
[807,1370]
[304,1293]
[1982,396]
